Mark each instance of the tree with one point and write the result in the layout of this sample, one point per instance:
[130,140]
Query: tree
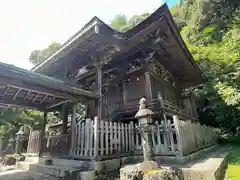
[212,34]
[121,24]
[211,30]
[38,56]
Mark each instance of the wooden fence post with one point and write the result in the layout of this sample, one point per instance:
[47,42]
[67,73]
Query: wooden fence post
[29,142]
[178,134]
[132,134]
[73,129]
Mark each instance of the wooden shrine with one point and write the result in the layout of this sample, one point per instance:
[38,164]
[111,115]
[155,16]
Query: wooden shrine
[148,60]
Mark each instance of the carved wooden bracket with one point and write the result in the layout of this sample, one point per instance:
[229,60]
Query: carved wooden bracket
[159,70]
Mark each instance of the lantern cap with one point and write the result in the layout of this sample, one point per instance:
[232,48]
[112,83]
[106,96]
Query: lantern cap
[143,110]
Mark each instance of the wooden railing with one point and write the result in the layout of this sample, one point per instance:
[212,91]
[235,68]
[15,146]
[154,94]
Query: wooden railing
[56,146]
[158,104]
[99,140]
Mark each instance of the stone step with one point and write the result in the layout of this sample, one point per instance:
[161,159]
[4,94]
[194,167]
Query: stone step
[54,170]
[24,165]
[31,159]
[59,171]
[69,163]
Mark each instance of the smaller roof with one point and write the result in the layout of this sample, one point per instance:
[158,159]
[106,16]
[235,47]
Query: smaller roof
[21,87]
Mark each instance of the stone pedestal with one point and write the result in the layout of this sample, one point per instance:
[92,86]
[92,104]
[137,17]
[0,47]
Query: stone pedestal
[147,142]
[149,171]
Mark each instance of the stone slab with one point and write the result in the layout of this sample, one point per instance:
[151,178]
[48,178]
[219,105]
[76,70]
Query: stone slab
[69,163]
[184,159]
[209,167]
[107,165]
[87,175]
[54,170]
[24,165]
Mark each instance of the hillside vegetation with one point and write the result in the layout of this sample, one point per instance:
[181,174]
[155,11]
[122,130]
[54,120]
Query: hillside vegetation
[211,30]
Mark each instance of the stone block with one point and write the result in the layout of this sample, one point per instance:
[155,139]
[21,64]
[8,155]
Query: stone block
[23,165]
[107,165]
[133,172]
[113,164]
[131,160]
[87,175]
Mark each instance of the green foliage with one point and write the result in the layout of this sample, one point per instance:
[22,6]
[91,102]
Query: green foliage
[212,33]
[38,56]
[122,24]
[17,117]
[233,172]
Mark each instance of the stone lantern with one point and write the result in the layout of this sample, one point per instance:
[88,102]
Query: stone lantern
[144,116]
[19,141]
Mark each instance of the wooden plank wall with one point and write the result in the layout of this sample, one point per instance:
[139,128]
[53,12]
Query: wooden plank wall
[192,136]
[33,142]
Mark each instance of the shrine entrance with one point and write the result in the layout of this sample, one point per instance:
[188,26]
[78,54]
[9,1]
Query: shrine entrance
[23,88]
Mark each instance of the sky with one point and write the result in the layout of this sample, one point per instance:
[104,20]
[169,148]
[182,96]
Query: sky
[27,25]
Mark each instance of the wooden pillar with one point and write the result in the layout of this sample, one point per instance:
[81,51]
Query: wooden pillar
[125,93]
[73,129]
[42,134]
[148,87]
[64,118]
[147,79]
[99,87]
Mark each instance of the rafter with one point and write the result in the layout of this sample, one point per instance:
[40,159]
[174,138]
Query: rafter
[35,97]
[14,97]
[43,99]
[26,96]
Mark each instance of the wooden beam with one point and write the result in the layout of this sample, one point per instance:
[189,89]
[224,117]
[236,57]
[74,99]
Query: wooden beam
[21,103]
[58,104]
[38,89]
[42,133]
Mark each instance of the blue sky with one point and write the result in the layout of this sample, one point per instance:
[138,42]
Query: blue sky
[33,24]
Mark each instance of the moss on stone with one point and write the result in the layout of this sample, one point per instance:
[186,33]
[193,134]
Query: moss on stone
[153,170]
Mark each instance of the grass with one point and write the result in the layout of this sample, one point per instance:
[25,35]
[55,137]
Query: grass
[233,171]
